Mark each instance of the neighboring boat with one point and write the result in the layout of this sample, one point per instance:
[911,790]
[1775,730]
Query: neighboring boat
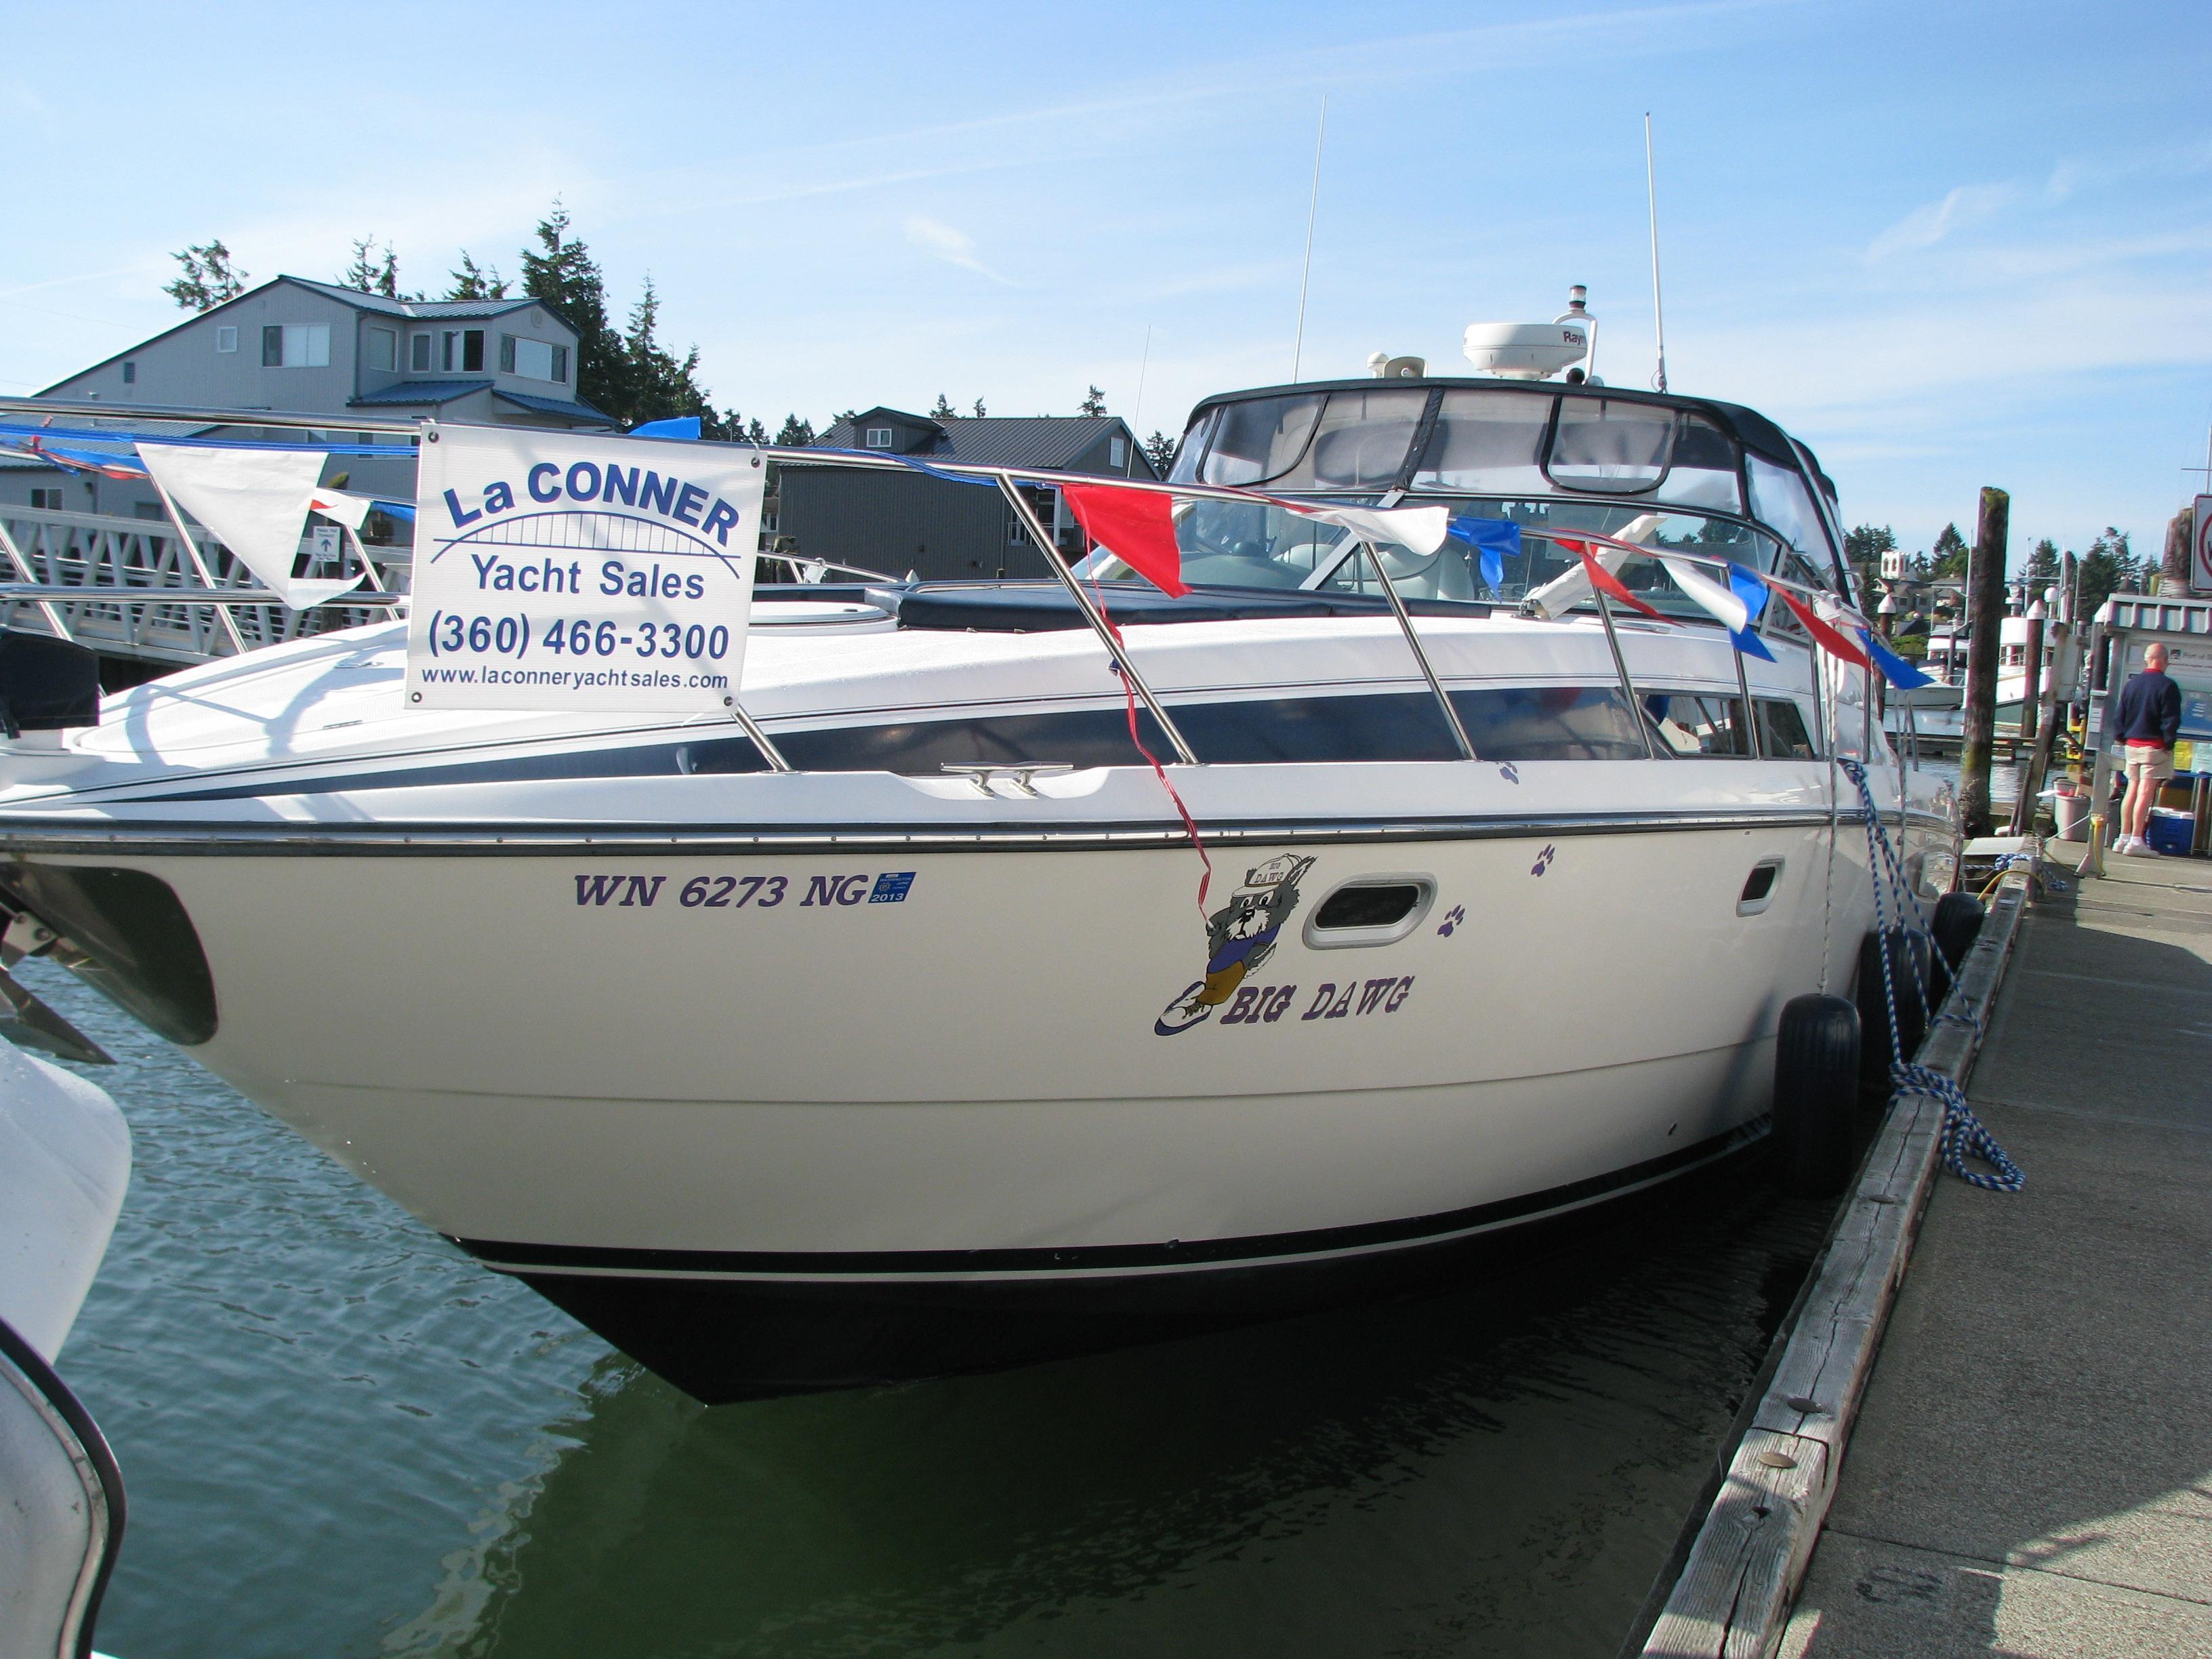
[1939,719]
[64,1165]
[920,1057]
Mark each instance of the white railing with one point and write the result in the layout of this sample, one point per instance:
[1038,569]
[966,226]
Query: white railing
[55,550]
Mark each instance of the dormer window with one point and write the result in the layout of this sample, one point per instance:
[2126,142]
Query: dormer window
[463,349]
[879,437]
[536,360]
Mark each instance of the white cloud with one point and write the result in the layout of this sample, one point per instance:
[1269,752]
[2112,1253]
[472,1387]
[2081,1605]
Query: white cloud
[956,247]
[1926,226]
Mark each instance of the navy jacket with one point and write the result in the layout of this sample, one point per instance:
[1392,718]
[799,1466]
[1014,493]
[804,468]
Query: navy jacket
[2150,710]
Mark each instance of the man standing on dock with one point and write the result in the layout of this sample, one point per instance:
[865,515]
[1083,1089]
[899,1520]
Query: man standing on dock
[2150,722]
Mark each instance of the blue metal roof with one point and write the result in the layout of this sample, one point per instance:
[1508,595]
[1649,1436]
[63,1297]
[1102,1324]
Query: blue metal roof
[577,410]
[417,308]
[418,391]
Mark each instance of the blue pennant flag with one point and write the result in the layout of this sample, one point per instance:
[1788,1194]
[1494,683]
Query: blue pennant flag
[1493,539]
[1752,591]
[680,426]
[1894,668]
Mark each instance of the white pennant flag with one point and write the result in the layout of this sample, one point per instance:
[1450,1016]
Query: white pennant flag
[256,501]
[1419,528]
[1720,603]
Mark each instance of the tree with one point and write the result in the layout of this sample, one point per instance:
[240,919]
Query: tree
[562,275]
[1863,547]
[1159,449]
[471,283]
[1951,552]
[794,434]
[1094,402]
[756,433]
[2108,567]
[2042,567]
[369,275]
[979,408]
[208,278]
[942,410]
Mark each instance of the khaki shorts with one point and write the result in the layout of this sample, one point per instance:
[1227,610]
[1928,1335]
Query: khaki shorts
[2148,765]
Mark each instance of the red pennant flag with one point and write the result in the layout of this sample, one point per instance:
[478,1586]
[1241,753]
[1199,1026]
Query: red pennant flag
[1607,583]
[1137,524]
[1834,643]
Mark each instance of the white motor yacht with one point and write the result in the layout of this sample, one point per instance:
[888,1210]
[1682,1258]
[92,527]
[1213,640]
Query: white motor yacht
[891,1037]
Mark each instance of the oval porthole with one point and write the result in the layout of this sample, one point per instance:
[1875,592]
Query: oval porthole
[1377,909]
[1758,887]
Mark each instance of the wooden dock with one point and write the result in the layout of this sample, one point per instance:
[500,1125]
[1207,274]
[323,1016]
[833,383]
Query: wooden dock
[2032,1467]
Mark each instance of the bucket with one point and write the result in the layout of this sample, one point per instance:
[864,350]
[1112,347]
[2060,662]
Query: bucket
[2072,812]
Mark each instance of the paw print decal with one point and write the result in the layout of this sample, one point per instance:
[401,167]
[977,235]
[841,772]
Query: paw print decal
[1544,859]
[1508,771]
[1453,917]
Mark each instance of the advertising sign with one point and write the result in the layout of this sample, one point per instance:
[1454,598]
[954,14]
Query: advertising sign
[2200,547]
[600,575]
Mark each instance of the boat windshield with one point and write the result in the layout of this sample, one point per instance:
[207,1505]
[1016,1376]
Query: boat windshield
[1248,545]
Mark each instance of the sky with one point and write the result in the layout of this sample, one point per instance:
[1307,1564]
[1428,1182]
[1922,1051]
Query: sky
[1947,244]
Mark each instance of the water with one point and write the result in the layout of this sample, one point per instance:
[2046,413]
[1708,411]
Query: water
[340,1437]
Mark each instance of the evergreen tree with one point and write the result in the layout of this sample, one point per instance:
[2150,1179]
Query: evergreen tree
[209,279]
[794,434]
[369,275]
[942,410]
[756,433]
[1863,547]
[979,408]
[1951,552]
[561,274]
[2042,567]
[1159,449]
[1093,404]
[471,283]
[2108,567]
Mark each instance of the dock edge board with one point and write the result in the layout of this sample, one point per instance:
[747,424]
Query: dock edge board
[1739,1583]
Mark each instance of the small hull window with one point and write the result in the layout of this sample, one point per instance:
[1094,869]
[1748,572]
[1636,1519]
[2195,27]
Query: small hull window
[1377,909]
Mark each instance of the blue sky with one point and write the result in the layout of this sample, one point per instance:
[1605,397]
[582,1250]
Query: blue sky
[1948,244]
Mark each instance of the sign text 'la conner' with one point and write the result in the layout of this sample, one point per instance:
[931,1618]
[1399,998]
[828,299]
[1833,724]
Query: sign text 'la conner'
[609,486]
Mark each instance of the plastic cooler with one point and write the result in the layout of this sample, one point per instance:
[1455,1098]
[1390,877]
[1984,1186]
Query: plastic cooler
[2171,831]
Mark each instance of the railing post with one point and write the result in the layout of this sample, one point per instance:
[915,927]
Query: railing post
[1083,602]
[1428,673]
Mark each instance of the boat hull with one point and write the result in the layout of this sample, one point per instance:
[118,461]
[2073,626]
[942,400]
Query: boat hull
[848,1137]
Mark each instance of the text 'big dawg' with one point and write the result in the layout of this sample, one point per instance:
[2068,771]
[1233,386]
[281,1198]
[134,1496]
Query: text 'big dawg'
[1263,1005]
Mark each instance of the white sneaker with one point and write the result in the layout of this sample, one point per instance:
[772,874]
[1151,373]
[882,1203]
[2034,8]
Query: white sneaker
[2124,844]
[2137,847]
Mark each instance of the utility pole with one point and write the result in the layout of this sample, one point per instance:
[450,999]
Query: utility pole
[1986,625]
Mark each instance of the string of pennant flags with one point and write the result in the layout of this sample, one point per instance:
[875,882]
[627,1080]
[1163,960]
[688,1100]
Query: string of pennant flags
[1138,526]
[1135,521]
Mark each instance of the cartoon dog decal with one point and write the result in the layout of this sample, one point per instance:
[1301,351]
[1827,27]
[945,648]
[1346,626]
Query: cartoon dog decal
[1239,937]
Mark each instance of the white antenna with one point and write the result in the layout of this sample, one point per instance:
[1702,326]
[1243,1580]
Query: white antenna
[1297,351]
[1136,417]
[1658,306]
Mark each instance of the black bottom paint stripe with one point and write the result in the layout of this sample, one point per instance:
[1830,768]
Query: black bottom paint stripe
[1089,1258]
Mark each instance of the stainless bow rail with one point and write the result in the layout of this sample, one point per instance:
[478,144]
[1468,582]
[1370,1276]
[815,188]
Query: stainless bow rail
[121,596]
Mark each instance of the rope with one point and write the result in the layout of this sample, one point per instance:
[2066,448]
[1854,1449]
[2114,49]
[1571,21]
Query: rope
[1129,691]
[1964,1135]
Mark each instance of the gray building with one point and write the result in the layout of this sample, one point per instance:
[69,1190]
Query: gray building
[897,522]
[309,348]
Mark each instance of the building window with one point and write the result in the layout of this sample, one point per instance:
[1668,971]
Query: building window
[1117,453]
[418,350]
[46,500]
[295,345]
[129,373]
[226,338]
[384,349]
[462,349]
[535,359]
[879,437]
